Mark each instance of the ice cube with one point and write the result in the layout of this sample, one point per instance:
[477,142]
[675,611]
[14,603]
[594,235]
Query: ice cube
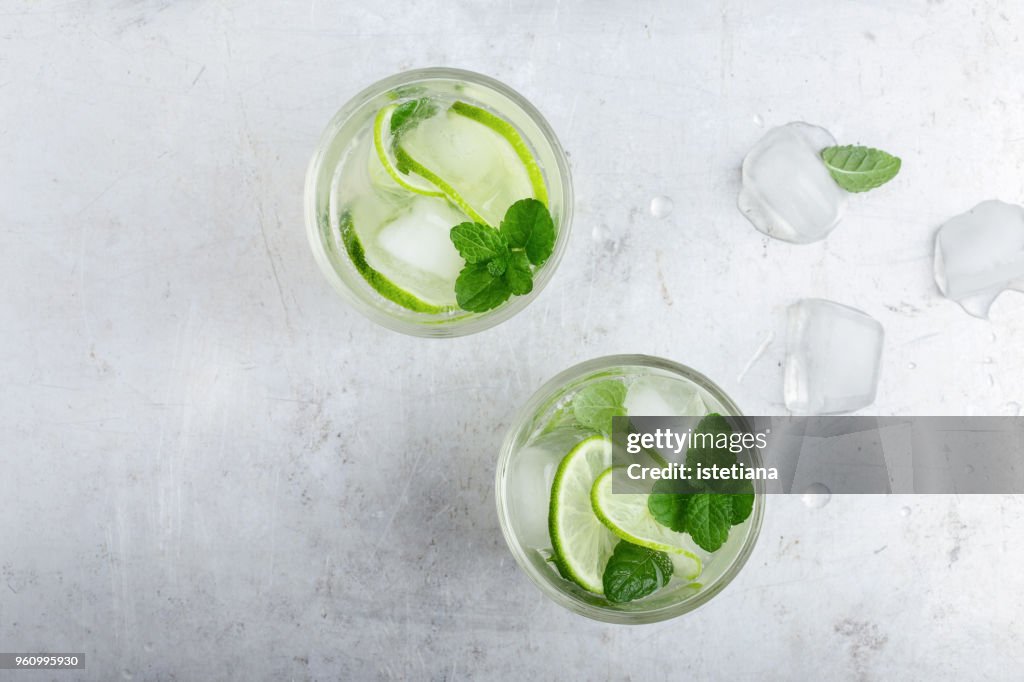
[654,396]
[980,254]
[528,489]
[787,191]
[419,238]
[833,356]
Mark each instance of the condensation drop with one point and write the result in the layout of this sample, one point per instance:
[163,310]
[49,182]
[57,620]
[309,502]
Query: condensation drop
[1011,409]
[988,361]
[758,120]
[905,511]
[661,206]
[816,496]
[911,365]
[969,469]
[601,233]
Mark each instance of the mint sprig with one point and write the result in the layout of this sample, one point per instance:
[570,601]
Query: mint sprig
[705,510]
[595,405]
[500,262]
[408,115]
[859,169]
[633,572]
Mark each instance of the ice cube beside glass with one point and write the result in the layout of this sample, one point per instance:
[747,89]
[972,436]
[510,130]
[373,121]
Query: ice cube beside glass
[833,357]
[787,191]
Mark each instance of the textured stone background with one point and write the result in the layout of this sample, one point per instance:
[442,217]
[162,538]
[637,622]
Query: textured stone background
[213,469]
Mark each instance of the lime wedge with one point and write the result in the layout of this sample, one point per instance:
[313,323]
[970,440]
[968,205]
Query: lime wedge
[382,143]
[509,132]
[627,516]
[581,542]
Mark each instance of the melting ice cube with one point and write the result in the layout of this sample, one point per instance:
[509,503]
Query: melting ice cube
[833,355]
[654,396]
[787,191]
[980,254]
[419,239]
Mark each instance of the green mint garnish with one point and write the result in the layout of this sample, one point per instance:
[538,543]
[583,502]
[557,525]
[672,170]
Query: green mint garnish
[528,225]
[520,276]
[498,262]
[713,425]
[859,169]
[595,405]
[742,496]
[633,572]
[408,115]
[695,508]
[708,520]
[476,289]
[668,502]
[478,243]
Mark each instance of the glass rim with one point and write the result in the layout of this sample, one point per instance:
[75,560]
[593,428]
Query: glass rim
[564,599]
[469,323]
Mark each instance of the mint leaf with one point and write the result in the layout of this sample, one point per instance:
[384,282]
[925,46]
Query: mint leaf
[478,243]
[741,492]
[408,115]
[596,404]
[528,225]
[497,267]
[633,572]
[519,274]
[477,290]
[669,501]
[498,262]
[708,519]
[859,169]
[709,445]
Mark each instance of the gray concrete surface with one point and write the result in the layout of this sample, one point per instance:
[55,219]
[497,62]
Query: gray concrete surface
[214,469]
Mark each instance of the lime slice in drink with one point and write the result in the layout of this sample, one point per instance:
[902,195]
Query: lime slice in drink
[405,254]
[581,542]
[478,169]
[627,516]
[383,145]
[512,136]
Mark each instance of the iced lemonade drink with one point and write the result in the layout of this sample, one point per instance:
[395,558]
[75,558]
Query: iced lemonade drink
[438,202]
[627,557]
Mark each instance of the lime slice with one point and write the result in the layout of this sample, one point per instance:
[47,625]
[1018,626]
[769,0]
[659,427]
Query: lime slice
[627,516]
[509,132]
[382,284]
[581,542]
[382,143]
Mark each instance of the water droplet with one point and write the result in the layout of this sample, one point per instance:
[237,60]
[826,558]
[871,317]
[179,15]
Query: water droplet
[991,381]
[989,361]
[601,233]
[148,646]
[992,336]
[969,469]
[661,206]
[1011,409]
[816,496]
[911,365]
[758,120]
[905,511]
[126,674]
